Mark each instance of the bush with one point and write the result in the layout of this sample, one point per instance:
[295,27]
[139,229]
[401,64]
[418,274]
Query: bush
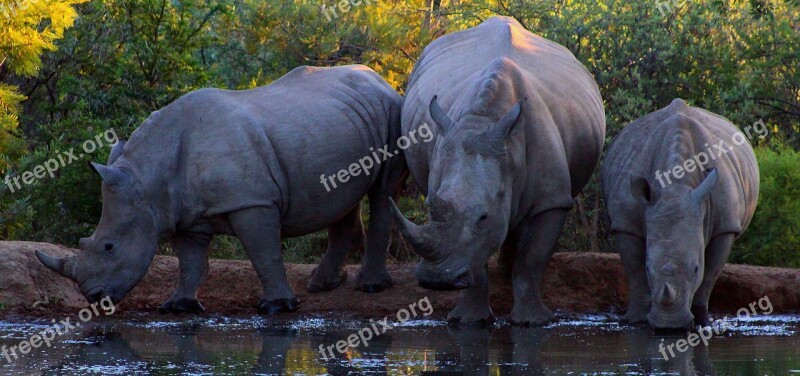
[773,237]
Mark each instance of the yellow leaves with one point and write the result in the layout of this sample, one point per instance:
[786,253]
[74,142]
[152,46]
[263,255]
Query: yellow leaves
[30,27]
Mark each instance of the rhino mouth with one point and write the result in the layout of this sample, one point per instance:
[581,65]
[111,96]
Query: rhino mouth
[459,280]
[667,323]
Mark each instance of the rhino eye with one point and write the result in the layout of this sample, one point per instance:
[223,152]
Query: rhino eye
[482,220]
[696,269]
[109,246]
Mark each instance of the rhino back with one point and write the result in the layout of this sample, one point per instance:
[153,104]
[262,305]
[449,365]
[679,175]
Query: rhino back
[268,146]
[564,117]
[648,145]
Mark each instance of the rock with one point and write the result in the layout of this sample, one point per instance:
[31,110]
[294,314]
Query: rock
[574,283]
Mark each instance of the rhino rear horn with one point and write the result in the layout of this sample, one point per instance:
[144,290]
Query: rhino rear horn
[116,151]
[706,186]
[58,265]
[439,116]
[110,175]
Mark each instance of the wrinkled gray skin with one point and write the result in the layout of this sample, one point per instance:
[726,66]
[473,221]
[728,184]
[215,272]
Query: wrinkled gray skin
[674,240]
[247,163]
[520,128]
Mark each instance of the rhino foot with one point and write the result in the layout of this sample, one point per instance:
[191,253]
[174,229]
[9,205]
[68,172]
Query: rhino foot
[373,283]
[477,317]
[701,316]
[538,317]
[271,307]
[319,282]
[181,306]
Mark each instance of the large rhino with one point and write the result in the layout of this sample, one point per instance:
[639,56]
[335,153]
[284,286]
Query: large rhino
[680,185]
[520,127]
[247,163]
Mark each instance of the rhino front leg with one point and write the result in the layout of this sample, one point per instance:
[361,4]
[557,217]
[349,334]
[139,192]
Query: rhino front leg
[259,230]
[473,306]
[192,251]
[631,250]
[537,241]
[344,237]
[717,253]
[373,275]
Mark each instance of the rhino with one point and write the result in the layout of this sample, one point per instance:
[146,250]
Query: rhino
[248,163]
[680,185]
[519,125]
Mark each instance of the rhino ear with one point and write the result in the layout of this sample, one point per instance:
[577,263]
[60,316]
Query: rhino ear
[640,189]
[110,175]
[443,122]
[116,151]
[706,186]
[508,121]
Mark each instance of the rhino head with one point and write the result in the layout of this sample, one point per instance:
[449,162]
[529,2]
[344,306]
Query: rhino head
[675,247]
[116,257]
[469,198]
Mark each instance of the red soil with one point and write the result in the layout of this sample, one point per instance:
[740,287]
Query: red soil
[574,283]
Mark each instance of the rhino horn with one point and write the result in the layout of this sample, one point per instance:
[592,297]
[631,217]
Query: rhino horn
[58,265]
[505,125]
[412,232]
[439,116]
[706,186]
[110,175]
[116,151]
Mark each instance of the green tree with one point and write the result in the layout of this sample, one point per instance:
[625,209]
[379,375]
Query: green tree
[28,28]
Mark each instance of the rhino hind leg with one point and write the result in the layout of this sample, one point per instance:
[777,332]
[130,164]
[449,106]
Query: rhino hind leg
[716,255]
[258,228]
[534,252]
[373,275]
[473,306]
[631,250]
[192,252]
[344,238]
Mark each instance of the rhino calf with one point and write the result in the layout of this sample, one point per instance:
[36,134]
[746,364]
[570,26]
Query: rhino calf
[520,126]
[680,186]
[247,163]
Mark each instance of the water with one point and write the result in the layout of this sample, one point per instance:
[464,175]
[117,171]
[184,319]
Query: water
[595,344]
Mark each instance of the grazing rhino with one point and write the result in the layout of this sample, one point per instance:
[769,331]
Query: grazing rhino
[681,184]
[247,163]
[520,126]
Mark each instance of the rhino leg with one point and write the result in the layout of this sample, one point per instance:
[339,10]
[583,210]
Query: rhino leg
[344,237]
[473,306]
[535,250]
[192,251]
[505,258]
[631,250]
[717,253]
[373,275]
[258,229]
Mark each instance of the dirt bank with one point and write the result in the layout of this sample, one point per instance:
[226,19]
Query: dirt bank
[574,282]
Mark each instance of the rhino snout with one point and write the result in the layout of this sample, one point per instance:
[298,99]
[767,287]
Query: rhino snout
[432,279]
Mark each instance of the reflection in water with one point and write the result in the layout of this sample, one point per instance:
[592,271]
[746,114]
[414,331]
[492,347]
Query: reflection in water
[593,344]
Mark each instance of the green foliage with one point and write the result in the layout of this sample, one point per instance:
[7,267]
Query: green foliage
[27,30]
[773,237]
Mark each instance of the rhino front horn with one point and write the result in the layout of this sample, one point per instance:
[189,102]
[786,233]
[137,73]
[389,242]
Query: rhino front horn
[411,232]
[58,265]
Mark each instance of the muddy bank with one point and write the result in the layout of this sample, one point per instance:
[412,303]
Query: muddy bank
[574,282]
